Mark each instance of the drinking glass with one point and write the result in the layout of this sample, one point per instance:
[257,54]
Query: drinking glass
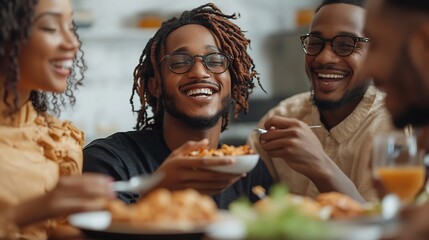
[398,163]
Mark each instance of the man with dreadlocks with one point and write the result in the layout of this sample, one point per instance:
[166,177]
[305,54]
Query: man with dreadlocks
[38,152]
[189,73]
[334,157]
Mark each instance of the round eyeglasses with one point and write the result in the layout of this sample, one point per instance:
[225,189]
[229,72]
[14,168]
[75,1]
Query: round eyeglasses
[342,45]
[180,63]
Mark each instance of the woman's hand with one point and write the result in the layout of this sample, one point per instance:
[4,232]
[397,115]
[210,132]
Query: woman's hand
[89,192]
[183,172]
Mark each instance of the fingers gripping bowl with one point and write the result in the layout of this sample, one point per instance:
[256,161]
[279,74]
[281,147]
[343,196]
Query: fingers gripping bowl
[242,164]
[244,158]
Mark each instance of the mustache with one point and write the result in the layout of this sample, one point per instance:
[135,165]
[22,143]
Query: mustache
[215,84]
[327,67]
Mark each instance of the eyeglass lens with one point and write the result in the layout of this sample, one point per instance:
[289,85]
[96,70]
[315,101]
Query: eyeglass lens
[341,45]
[182,63]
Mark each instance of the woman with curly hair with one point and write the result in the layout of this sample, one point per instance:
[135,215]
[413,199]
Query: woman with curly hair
[189,74]
[39,70]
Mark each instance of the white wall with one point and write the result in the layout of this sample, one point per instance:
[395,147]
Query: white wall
[112,48]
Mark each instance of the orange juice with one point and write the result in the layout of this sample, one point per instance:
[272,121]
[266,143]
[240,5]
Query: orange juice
[405,181]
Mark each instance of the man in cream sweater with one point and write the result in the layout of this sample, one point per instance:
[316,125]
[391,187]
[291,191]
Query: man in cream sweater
[348,109]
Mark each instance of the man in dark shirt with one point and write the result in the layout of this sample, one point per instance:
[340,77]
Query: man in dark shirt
[189,73]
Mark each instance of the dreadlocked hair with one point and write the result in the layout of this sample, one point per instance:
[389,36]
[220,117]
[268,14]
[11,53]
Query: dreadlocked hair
[16,19]
[232,41]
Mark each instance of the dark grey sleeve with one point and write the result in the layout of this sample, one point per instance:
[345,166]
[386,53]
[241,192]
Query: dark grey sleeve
[107,160]
[258,176]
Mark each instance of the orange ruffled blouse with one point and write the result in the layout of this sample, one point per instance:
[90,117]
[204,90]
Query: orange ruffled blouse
[35,150]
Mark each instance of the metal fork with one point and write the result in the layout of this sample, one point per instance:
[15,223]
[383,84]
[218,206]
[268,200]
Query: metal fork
[262,131]
[139,184]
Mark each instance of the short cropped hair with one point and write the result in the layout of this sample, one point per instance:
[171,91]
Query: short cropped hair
[359,3]
[416,5]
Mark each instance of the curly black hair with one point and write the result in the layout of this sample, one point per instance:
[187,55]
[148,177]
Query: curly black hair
[232,41]
[16,20]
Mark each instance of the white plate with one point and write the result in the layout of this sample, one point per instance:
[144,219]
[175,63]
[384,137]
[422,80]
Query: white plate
[242,164]
[100,224]
[99,220]
[369,227]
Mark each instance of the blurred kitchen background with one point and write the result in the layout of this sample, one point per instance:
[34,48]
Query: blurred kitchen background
[115,32]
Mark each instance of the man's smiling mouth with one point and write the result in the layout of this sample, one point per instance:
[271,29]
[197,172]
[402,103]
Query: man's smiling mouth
[329,78]
[204,92]
[202,88]
[330,75]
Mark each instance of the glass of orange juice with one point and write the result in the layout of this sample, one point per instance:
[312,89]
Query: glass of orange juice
[398,163]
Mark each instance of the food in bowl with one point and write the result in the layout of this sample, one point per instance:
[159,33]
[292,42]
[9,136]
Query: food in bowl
[224,150]
[244,158]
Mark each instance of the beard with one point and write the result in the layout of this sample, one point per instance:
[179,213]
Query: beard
[407,82]
[350,96]
[196,122]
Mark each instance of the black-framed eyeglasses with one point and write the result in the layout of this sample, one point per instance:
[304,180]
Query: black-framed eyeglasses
[342,45]
[180,63]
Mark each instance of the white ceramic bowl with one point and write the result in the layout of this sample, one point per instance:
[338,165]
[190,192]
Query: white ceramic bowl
[242,164]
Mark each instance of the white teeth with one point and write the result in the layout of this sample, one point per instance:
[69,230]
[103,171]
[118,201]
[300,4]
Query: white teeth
[331,76]
[63,64]
[200,91]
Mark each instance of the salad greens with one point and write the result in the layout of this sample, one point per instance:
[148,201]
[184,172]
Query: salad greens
[278,218]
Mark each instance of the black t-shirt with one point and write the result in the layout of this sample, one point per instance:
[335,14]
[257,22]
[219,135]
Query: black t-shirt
[127,154]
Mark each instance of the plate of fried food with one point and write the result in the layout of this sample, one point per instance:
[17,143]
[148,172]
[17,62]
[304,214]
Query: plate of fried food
[284,215]
[162,214]
[244,158]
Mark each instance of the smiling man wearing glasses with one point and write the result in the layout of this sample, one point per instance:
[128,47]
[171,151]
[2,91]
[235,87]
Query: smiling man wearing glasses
[189,74]
[350,110]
